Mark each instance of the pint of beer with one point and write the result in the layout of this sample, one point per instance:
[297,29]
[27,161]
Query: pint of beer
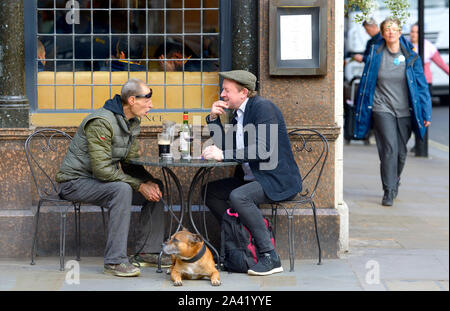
[163,143]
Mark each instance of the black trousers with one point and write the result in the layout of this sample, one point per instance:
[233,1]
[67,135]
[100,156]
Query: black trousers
[244,198]
[392,135]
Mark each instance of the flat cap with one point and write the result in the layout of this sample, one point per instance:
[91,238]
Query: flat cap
[245,78]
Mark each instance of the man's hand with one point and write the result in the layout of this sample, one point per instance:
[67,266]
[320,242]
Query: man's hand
[212,152]
[426,123]
[150,191]
[217,109]
[358,58]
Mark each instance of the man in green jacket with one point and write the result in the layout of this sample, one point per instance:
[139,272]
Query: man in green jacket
[95,171]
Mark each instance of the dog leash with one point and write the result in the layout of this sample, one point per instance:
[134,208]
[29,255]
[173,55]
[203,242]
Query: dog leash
[133,258]
[170,210]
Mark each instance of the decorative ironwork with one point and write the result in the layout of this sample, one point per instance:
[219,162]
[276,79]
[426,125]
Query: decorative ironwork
[47,187]
[47,137]
[311,175]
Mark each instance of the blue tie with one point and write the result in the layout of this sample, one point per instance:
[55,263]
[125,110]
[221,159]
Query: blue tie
[234,120]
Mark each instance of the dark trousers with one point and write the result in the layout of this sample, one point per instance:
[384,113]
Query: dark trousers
[392,135]
[119,197]
[244,198]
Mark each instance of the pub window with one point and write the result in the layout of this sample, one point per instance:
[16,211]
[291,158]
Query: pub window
[87,49]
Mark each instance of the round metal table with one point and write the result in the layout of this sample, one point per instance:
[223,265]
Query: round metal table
[204,168]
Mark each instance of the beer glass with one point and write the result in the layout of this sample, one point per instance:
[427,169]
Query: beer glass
[163,144]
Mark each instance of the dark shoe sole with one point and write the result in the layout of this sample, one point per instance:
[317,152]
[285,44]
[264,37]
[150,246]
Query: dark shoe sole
[138,261]
[274,270]
[144,264]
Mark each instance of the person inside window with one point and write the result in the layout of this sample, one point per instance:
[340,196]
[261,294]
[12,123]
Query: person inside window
[123,60]
[40,56]
[172,60]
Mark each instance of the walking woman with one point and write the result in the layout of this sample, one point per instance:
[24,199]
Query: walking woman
[393,94]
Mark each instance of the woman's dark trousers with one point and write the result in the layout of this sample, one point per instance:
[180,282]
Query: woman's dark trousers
[392,135]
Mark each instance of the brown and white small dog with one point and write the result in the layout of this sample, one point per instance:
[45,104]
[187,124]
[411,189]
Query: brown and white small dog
[191,259]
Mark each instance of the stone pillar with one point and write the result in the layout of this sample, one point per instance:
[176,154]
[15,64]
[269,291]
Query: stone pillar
[340,204]
[245,35]
[14,107]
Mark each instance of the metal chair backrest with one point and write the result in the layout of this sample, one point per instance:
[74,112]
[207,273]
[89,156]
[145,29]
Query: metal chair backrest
[45,149]
[312,148]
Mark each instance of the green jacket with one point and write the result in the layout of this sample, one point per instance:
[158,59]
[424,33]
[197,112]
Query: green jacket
[102,144]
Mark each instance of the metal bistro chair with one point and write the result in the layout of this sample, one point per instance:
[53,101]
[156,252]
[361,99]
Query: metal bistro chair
[306,142]
[41,148]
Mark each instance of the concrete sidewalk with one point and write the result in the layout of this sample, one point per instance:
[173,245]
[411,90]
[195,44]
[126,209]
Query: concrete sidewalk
[407,242]
[404,247]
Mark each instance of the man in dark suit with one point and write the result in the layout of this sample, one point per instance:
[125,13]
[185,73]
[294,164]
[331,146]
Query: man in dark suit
[268,171]
[373,31]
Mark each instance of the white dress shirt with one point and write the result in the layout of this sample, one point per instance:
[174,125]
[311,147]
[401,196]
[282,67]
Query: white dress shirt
[248,175]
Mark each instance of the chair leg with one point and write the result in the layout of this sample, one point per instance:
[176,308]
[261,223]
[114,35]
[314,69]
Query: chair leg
[36,224]
[77,231]
[291,241]
[159,270]
[62,240]
[317,232]
[104,222]
[274,220]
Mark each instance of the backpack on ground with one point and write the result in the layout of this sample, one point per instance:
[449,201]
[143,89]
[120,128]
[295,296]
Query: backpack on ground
[238,251]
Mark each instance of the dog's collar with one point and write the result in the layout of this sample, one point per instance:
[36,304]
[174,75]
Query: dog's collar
[198,256]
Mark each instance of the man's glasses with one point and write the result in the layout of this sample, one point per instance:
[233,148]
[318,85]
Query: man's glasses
[149,95]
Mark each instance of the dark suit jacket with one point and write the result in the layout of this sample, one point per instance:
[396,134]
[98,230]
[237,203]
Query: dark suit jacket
[268,154]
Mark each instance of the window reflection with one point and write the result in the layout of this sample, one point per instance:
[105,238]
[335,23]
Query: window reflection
[88,48]
[92,31]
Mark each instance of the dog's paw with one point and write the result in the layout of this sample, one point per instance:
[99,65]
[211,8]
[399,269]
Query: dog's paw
[216,283]
[169,271]
[178,283]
